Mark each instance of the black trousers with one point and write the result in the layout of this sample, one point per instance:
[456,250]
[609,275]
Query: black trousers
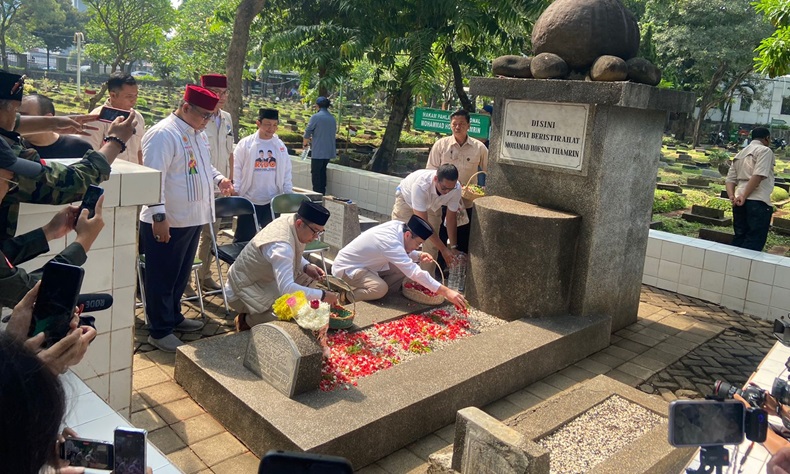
[462,234]
[167,269]
[245,225]
[751,223]
[318,172]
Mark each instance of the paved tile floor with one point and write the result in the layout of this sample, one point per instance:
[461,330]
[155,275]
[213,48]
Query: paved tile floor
[678,347]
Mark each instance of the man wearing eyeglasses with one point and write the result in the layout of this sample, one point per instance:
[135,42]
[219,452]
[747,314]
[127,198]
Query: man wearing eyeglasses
[423,193]
[219,131]
[376,262]
[169,230]
[272,264]
[16,282]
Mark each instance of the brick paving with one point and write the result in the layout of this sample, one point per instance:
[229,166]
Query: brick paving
[677,348]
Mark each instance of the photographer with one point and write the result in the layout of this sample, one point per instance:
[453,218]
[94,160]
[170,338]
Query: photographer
[32,407]
[15,282]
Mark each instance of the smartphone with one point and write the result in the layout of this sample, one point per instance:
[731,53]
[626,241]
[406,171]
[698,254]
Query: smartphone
[288,462]
[129,450]
[89,201]
[57,297]
[87,453]
[109,114]
[706,422]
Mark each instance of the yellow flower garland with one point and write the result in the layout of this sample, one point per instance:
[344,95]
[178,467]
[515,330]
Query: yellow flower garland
[287,306]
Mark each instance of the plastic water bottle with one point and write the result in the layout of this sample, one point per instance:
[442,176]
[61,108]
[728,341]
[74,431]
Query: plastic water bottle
[456,279]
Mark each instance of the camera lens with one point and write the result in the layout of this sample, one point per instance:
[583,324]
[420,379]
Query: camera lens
[725,389]
[781,391]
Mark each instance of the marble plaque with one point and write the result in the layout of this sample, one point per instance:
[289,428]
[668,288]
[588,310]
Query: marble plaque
[544,133]
[272,355]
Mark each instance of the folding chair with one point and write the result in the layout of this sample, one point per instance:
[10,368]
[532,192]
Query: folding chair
[230,206]
[289,203]
[196,264]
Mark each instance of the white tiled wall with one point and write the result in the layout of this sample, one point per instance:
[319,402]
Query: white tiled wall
[107,366]
[371,191]
[755,283]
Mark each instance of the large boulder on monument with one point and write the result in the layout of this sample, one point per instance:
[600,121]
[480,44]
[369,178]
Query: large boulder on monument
[512,66]
[643,71]
[579,31]
[609,68]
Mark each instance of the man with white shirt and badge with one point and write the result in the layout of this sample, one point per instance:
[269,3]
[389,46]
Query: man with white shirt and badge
[169,231]
[219,131]
[377,261]
[423,193]
[263,170]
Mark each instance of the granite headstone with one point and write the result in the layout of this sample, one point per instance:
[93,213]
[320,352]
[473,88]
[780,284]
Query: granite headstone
[343,224]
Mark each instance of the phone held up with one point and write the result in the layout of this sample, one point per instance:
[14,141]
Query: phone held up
[57,297]
[89,201]
[129,450]
[714,423]
[90,453]
[287,462]
[109,114]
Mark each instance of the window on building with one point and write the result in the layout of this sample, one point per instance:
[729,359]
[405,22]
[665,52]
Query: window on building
[785,106]
[746,103]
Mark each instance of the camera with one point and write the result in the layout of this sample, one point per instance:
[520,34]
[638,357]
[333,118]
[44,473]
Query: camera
[715,423]
[754,395]
[781,330]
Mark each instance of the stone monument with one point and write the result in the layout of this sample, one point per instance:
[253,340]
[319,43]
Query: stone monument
[587,148]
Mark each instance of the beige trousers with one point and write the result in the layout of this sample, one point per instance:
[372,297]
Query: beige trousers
[370,285]
[403,212]
[267,316]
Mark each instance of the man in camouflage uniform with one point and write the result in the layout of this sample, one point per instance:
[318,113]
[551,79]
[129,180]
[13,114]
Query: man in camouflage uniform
[42,182]
[56,183]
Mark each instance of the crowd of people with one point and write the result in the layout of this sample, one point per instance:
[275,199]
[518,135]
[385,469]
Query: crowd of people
[195,151]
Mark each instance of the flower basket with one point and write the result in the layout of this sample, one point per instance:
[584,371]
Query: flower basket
[337,321]
[470,192]
[418,294]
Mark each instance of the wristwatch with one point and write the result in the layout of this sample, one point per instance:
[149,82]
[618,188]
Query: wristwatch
[159,217]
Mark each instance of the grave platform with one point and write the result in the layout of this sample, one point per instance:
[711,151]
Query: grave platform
[392,408]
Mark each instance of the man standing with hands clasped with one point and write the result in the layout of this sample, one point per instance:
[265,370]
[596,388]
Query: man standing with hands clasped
[320,135]
[750,182]
[169,231]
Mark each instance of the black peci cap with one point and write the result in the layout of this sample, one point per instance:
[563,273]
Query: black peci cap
[313,212]
[11,86]
[419,227]
[271,114]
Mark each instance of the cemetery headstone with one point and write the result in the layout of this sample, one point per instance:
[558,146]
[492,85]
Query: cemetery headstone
[697,182]
[724,195]
[286,356]
[785,186]
[483,445]
[702,164]
[781,225]
[778,179]
[706,215]
[714,235]
[689,167]
[669,187]
[711,174]
[343,224]
[657,225]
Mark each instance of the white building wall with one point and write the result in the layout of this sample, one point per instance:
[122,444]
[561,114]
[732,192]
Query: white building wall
[760,111]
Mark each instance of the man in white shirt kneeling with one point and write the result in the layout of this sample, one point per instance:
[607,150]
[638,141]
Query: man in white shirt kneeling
[376,262]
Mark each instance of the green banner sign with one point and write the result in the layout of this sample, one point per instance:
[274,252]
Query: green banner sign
[437,120]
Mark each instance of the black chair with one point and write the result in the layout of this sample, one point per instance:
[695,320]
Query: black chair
[231,206]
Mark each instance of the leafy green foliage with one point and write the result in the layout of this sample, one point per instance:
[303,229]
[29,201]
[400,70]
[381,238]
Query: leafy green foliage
[668,201]
[773,54]
[779,194]
[719,203]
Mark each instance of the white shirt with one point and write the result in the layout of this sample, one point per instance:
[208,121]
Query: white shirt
[262,169]
[182,155]
[756,159]
[133,145]
[281,256]
[419,192]
[219,131]
[376,250]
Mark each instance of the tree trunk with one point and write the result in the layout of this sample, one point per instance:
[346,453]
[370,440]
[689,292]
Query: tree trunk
[97,97]
[3,51]
[458,80]
[385,154]
[237,54]
[706,101]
